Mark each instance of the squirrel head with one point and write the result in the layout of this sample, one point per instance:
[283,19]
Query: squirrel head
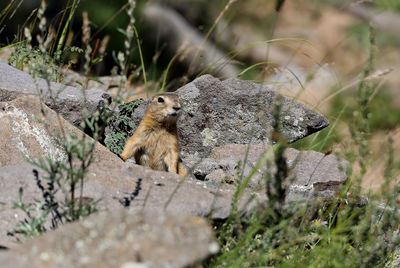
[164,107]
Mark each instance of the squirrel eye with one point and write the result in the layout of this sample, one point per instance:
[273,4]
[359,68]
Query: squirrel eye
[160,100]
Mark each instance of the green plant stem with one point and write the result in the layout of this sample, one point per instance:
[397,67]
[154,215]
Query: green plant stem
[141,61]
[66,26]
[166,73]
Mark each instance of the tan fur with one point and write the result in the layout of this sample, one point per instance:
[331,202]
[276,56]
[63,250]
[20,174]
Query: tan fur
[155,141]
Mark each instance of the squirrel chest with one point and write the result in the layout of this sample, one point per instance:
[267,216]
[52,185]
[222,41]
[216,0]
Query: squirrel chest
[159,144]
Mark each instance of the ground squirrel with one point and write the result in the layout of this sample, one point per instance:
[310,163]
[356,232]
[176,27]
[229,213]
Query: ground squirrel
[155,141]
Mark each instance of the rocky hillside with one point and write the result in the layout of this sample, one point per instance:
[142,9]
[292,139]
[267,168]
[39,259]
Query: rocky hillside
[221,121]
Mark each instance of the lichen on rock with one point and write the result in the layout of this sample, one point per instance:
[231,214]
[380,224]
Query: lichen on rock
[121,126]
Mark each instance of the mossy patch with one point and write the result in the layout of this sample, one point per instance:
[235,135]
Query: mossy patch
[121,126]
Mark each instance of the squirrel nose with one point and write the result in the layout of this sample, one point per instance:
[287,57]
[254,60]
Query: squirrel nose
[176,108]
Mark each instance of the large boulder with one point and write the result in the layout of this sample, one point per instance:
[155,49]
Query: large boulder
[218,112]
[118,239]
[119,185]
[66,100]
[31,130]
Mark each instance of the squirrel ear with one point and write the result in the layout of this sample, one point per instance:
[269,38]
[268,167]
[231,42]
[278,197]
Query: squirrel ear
[160,100]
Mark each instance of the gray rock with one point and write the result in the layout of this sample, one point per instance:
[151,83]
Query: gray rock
[234,111]
[228,163]
[69,102]
[310,173]
[315,173]
[205,167]
[230,171]
[23,136]
[220,176]
[238,152]
[31,130]
[5,53]
[119,239]
[118,185]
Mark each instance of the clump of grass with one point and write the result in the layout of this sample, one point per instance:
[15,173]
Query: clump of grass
[342,232]
[346,231]
[88,48]
[393,5]
[359,32]
[62,181]
[67,177]
[385,115]
[40,60]
[321,141]
[360,129]
[8,12]
[123,58]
